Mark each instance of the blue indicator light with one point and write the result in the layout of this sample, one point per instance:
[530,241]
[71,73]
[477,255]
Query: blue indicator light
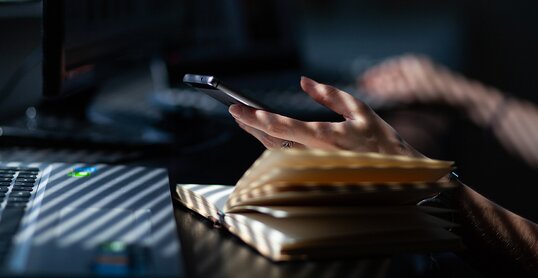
[80,172]
[85,169]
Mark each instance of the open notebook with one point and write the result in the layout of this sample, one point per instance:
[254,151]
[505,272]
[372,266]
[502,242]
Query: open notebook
[298,204]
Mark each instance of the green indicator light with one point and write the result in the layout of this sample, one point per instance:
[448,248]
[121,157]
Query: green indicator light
[115,246]
[79,174]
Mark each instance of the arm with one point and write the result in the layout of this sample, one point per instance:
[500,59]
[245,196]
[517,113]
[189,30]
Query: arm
[416,79]
[498,241]
[489,230]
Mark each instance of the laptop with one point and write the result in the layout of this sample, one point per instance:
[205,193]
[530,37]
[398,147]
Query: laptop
[87,220]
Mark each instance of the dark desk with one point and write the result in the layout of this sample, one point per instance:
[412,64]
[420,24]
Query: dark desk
[210,252]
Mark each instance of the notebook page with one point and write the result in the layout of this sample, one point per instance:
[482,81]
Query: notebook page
[284,159]
[336,195]
[271,236]
[207,200]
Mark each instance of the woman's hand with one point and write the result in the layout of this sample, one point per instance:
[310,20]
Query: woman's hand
[361,130]
[411,79]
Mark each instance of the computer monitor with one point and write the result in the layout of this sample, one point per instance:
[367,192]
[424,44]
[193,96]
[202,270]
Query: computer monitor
[88,41]
[88,45]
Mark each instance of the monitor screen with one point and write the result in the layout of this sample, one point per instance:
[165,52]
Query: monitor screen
[87,41]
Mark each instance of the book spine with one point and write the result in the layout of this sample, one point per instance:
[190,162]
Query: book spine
[220,222]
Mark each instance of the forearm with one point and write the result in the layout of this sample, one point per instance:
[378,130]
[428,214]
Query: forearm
[512,121]
[478,102]
[497,239]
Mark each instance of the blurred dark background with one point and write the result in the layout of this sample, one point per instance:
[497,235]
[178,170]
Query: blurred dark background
[263,47]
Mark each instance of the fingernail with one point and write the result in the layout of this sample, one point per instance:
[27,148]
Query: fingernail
[235,110]
[308,80]
[308,83]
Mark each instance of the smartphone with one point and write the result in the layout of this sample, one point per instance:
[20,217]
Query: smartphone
[214,87]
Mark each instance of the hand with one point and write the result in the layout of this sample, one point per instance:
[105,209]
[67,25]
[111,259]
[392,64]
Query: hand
[416,79]
[361,130]
[405,79]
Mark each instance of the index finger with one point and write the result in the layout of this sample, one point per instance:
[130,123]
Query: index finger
[333,98]
[276,125]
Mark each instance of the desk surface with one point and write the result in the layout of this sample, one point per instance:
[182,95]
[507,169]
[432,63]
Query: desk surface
[210,252]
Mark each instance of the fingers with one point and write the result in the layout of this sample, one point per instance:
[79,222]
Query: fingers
[268,141]
[332,98]
[308,134]
[272,124]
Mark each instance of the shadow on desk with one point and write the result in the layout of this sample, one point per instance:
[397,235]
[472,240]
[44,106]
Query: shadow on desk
[210,253]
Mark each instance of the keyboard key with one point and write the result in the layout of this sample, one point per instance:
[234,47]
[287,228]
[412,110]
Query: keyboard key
[21,194]
[24,185]
[27,176]
[24,180]
[6,179]
[4,189]
[12,200]
[3,175]
[28,173]
[4,183]
[29,189]
[16,205]
[19,199]
[7,171]
[28,169]
[2,194]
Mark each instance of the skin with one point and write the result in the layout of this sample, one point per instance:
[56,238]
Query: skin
[361,129]
[499,241]
[416,79]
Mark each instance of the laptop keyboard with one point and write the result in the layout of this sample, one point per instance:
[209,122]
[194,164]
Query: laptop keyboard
[16,187]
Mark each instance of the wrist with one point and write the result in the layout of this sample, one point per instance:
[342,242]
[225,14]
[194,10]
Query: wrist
[451,197]
[447,198]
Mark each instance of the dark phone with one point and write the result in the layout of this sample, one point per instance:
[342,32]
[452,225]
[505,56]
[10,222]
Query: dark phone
[213,87]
